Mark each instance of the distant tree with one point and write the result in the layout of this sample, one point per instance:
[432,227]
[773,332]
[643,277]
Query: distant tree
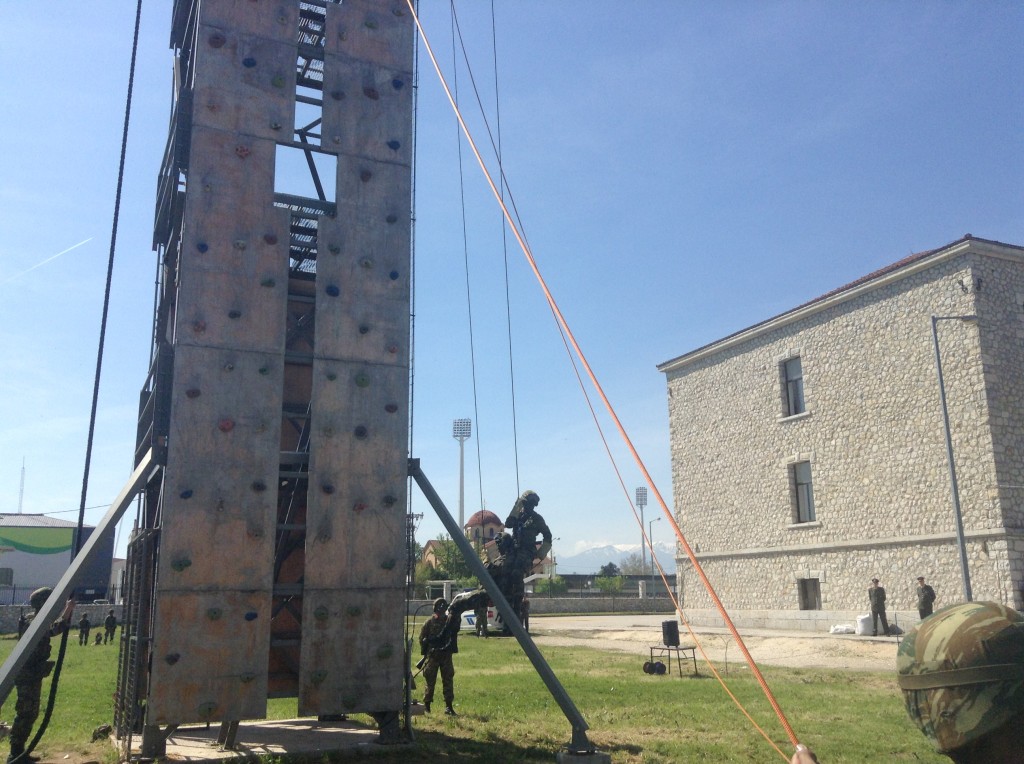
[551,586]
[450,560]
[417,550]
[610,570]
[633,565]
[609,584]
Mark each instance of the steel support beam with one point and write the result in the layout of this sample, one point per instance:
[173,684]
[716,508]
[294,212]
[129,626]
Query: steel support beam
[580,743]
[55,604]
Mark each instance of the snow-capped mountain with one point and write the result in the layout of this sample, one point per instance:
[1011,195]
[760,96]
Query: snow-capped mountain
[591,560]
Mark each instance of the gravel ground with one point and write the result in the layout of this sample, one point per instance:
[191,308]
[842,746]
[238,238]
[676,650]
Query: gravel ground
[636,634]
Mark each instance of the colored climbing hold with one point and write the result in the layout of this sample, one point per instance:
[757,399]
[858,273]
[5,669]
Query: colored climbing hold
[331,376]
[252,615]
[202,247]
[214,613]
[321,613]
[226,425]
[258,486]
[384,651]
[192,392]
[217,40]
[270,238]
[388,564]
[199,327]
[397,84]
[392,349]
[394,145]
[393,275]
[370,23]
[277,81]
[249,62]
[335,249]
[391,408]
[332,290]
[362,380]
[267,283]
[365,176]
[354,610]
[360,431]
[318,676]
[172,658]
[229,366]
[363,328]
[392,218]
[388,500]
[234,314]
[327,488]
[366,262]
[338,95]
[371,93]
[207,709]
[264,370]
[240,244]
[186,494]
[181,563]
[247,677]
[358,507]
[275,125]
[242,152]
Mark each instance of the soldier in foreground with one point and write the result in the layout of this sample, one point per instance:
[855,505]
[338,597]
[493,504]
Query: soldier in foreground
[962,675]
[29,682]
[438,646]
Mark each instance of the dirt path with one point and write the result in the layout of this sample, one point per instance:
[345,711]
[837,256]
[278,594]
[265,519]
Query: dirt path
[768,648]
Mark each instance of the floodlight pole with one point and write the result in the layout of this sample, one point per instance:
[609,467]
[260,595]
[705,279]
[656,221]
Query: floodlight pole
[461,431]
[641,502]
[957,514]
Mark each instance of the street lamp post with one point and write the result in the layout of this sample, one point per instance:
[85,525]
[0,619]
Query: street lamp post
[461,430]
[641,502]
[957,514]
[650,537]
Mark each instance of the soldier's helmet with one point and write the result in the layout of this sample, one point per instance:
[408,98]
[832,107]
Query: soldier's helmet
[962,672]
[530,498]
[440,605]
[39,596]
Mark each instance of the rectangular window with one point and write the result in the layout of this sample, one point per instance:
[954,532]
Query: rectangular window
[793,382]
[810,593]
[803,492]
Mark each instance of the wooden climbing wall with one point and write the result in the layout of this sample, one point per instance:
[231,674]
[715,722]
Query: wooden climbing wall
[273,368]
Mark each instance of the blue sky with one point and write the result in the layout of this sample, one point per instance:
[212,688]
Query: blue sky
[683,170]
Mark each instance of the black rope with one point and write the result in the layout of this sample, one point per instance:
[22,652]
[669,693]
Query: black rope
[51,700]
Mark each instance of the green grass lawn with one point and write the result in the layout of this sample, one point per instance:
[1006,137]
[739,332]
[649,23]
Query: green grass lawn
[506,714]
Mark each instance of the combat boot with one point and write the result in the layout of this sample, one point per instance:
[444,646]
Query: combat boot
[426,706]
[449,711]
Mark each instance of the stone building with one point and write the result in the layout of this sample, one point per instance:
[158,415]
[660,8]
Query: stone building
[809,451]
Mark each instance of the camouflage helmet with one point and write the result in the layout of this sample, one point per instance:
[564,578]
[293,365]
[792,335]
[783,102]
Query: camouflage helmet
[530,498]
[962,672]
[440,605]
[39,596]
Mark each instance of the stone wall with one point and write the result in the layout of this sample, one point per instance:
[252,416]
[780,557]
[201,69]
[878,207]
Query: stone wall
[874,437]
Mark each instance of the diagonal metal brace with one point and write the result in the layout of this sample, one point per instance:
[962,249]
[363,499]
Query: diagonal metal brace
[579,743]
[55,602]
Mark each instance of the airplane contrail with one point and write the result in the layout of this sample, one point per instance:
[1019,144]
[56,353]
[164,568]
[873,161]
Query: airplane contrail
[47,260]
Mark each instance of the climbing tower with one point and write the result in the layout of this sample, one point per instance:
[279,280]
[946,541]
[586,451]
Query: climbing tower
[270,554]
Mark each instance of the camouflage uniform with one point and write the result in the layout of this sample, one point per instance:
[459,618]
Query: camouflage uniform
[83,630]
[439,657]
[962,673]
[109,627]
[525,524]
[29,681]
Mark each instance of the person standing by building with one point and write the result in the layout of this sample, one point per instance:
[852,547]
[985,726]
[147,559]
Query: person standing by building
[109,626]
[925,598]
[439,648]
[29,681]
[480,619]
[83,629]
[876,596]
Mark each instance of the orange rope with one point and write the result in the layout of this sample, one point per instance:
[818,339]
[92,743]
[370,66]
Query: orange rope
[564,327]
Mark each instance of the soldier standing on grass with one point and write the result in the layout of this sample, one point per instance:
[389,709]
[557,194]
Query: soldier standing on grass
[109,626]
[29,681]
[83,629]
[439,649]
